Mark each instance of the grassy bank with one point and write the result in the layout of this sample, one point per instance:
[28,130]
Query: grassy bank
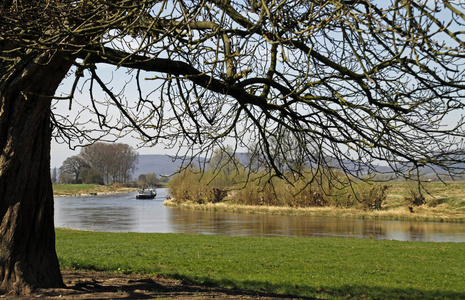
[324,268]
[66,190]
[443,203]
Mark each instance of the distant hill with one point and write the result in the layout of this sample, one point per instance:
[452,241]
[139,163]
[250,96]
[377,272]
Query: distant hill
[160,164]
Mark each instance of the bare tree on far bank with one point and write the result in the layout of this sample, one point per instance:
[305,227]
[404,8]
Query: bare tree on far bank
[361,81]
[148,180]
[72,168]
[101,163]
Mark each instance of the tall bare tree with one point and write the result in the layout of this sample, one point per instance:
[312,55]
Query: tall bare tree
[125,159]
[366,81]
[116,161]
[148,180]
[54,175]
[73,166]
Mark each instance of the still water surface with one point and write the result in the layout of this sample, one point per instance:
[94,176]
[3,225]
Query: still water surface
[123,213]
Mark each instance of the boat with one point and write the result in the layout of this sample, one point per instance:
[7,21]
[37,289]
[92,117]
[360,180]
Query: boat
[146,194]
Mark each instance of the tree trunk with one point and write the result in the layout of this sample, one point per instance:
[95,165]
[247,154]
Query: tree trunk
[27,235]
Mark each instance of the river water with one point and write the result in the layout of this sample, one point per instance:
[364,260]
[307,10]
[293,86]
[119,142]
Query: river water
[123,213]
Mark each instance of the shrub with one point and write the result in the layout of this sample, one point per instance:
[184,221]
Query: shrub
[208,187]
[255,194]
[311,196]
[217,195]
[374,197]
[416,198]
[181,186]
[214,187]
[116,186]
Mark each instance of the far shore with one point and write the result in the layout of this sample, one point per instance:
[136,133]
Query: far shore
[121,191]
[74,190]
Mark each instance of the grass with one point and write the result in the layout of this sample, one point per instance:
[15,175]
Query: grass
[63,190]
[330,268]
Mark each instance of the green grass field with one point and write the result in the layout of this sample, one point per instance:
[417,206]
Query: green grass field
[328,268]
[60,190]
[73,188]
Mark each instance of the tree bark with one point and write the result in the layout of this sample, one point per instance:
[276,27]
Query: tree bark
[27,235]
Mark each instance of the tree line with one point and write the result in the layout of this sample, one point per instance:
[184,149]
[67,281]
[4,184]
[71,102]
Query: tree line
[100,163]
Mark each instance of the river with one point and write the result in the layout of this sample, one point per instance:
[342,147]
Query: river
[123,213]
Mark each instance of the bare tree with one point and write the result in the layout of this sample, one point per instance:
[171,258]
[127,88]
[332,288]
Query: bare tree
[54,175]
[116,162]
[124,163]
[148,180]
[289,154]
[66,178]
[91,175]
[366,81]
[98,158]
[73,166]
[224,160]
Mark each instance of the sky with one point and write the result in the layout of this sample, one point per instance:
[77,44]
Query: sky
[60,153]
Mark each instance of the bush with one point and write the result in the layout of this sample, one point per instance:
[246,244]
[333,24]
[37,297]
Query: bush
[374,197]
[311,196]
[116,186]
[216,195]
[182,186]
[256,193]
[211,187]
[415,199]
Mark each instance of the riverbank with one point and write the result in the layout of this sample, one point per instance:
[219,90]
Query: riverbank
[330,268]
[422,213]
[442,203]
[72,190]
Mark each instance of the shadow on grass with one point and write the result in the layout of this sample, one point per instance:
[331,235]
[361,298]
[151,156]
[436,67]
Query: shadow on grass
[193,285]
[309,292]
[102,285]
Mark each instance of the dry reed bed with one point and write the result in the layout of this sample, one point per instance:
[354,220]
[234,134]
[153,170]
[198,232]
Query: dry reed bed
[422,213]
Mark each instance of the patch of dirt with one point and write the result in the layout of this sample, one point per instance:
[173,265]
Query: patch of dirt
[100,285]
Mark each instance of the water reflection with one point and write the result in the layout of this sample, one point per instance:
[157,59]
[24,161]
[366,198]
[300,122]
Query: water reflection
[123,213]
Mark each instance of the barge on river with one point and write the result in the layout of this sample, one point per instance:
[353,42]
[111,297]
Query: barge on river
[146,194]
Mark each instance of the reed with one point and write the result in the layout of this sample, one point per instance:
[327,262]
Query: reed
[400,213]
